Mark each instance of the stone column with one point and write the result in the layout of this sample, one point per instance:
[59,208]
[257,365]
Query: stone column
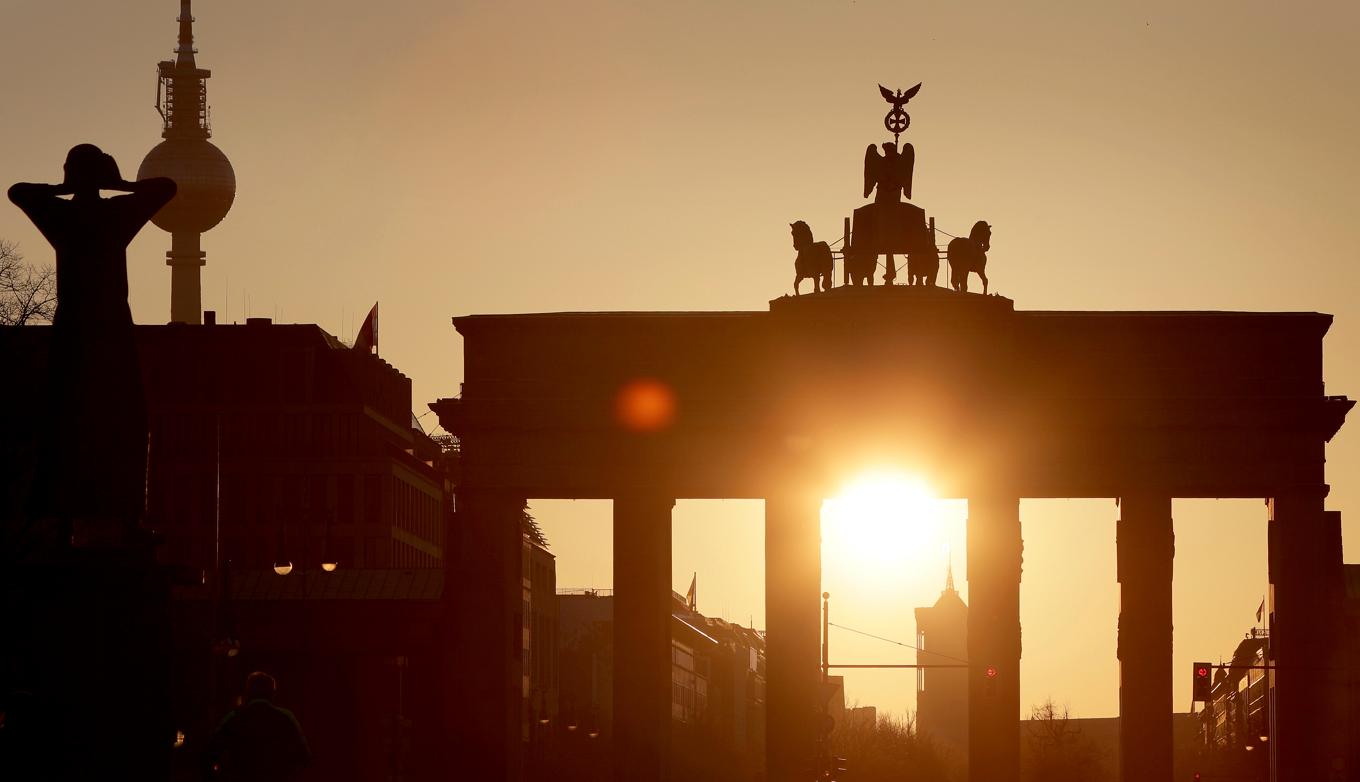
[1146,548]
[793,579]
[994,559]
[486,675]
[642,638]
[1306,579]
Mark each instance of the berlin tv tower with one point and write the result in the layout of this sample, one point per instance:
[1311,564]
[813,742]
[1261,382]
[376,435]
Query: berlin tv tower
[207,183]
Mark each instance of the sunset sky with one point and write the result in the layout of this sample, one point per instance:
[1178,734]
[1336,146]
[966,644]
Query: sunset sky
[448,158]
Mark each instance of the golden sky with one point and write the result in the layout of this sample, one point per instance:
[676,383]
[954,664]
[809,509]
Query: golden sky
[456,157]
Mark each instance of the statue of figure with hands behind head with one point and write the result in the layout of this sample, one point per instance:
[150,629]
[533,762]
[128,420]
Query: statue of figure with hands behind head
[92,461]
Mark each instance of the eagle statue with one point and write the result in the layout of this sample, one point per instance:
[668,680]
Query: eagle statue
[900,99]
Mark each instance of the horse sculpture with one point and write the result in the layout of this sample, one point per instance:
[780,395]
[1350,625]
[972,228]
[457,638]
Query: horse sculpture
[814,259]
[923,262]
[970,255]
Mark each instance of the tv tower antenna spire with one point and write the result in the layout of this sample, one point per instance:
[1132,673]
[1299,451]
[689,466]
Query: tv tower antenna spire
[186,35]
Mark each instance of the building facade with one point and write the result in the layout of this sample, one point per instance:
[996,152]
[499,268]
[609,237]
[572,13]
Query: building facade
[1238,722]
[538,634]
[1235,721]
[306,520]
[286,468]
[277,443]
[942,693]
[717,703]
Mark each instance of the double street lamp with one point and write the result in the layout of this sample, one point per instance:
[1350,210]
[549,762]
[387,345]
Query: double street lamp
[285,567]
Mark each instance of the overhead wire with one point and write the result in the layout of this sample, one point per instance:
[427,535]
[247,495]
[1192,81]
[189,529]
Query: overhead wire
[898,643]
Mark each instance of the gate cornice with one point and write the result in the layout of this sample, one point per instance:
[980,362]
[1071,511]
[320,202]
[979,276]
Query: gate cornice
[960,386]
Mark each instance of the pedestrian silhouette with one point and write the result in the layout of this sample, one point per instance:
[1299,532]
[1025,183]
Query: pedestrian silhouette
[258,741]
[95,380]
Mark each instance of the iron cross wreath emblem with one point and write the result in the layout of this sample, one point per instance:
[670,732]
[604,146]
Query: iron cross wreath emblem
[897,120]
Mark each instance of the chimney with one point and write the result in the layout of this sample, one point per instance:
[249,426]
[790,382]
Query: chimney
[209,317]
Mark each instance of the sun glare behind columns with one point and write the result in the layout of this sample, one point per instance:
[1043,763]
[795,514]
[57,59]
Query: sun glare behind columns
[883,519]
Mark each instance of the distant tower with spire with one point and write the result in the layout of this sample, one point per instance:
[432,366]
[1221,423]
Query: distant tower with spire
[942,693]
[207,183]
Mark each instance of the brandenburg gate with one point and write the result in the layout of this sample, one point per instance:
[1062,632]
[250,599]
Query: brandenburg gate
[984,401]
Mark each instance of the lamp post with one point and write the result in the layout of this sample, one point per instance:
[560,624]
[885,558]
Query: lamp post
[540,731]
[285,568]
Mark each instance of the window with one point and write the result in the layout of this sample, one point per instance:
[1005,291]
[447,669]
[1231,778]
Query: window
[372,499]
[344,490]
[920,672]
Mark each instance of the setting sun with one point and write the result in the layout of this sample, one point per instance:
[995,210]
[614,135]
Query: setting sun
[884,520]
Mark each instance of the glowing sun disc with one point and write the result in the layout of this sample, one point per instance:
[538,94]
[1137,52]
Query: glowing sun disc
[882,519]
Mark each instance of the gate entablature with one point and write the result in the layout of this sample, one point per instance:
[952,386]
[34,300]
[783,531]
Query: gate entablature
[1059,403]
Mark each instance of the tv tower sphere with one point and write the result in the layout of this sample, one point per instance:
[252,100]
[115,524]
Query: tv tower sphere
[206,181]
[207,184]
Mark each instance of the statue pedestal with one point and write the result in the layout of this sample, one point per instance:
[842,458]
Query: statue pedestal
[915,303]
[88,644]
[882,228]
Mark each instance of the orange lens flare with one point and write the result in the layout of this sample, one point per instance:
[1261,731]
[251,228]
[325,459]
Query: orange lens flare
[645,405]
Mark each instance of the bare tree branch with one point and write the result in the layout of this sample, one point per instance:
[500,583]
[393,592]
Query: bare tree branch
[28,293]
[1058,750]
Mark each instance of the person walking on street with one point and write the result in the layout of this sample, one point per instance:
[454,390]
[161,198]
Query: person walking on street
[258,741]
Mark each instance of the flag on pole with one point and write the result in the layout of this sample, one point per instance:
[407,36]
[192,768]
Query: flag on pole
[1261,612]
[691,597]
[366,340]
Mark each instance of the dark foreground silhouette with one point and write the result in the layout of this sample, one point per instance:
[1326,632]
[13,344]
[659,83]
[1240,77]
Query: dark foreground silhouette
[85,609]
[258,741]
[95,382]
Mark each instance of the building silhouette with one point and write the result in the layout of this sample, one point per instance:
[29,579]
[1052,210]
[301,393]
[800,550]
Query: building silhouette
[277,448]
[942,693]
[538,635]
[276,443]
[717,703]
[285,467]
[1235,724]
[1348,682]
[1238,723]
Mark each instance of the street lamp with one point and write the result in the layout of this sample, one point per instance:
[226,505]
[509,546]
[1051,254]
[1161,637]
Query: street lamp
[328,562]
[284,567]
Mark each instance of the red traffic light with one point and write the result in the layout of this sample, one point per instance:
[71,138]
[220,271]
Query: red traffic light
[1203,682]
[991,672]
